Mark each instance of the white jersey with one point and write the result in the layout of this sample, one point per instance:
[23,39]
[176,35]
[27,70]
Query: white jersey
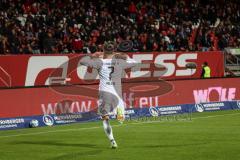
[110,72]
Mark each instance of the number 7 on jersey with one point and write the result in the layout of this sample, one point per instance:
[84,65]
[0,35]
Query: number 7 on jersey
[112,70]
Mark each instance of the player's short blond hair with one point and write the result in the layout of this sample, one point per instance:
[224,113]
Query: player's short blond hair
[108,47]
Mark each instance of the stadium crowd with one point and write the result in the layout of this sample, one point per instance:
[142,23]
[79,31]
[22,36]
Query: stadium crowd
[68,26]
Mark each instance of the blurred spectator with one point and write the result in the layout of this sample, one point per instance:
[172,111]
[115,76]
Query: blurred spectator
[49,44]
[205,42]
[132,10]
[77,44]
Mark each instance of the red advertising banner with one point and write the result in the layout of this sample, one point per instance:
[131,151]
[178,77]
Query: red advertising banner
[33,70]
[79,98]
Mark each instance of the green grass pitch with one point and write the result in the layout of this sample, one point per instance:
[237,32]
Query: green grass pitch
[208,136]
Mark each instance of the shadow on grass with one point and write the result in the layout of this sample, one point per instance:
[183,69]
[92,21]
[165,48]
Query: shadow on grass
[171,145]
[54,143]
[78,155]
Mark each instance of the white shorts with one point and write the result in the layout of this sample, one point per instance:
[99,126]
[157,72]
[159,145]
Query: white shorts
[109,104]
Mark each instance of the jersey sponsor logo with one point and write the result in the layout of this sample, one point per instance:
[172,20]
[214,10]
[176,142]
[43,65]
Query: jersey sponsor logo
[48,120]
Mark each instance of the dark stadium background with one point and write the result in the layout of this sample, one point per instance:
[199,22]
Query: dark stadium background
[68,26]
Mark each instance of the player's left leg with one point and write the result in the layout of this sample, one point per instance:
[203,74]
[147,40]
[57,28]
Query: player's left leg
[120,110]
[108,130]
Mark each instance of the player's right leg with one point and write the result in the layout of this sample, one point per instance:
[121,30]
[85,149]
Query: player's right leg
[108,130]
[104,109]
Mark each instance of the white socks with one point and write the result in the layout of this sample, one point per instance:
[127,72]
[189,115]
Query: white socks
[108,130]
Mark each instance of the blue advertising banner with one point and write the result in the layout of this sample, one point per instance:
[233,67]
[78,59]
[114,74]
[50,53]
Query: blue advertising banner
[50,120]
[46,120]
[184,108]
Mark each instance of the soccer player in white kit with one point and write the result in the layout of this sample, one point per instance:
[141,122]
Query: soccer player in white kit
[110,68]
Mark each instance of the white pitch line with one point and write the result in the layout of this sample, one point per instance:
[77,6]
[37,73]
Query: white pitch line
[186,121]
[54,131]
[97,127]
[216,116]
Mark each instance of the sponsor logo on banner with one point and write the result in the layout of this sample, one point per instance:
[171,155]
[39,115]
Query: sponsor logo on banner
[221,94]
[199,107]
[153,111]
[130,111]
[174,61]
[40,65]
[213,106]
[169,110]
[156,111]
[54,69]
[209,106]
[64,107]
[23,122]
[68,118]
[48,120]
[11,123]
[238,104]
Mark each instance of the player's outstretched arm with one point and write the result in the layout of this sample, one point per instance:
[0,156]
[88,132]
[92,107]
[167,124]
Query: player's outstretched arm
[92,60]
[96,55]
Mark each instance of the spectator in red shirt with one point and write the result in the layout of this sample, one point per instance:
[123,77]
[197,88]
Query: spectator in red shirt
[77,44]
[132,10]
